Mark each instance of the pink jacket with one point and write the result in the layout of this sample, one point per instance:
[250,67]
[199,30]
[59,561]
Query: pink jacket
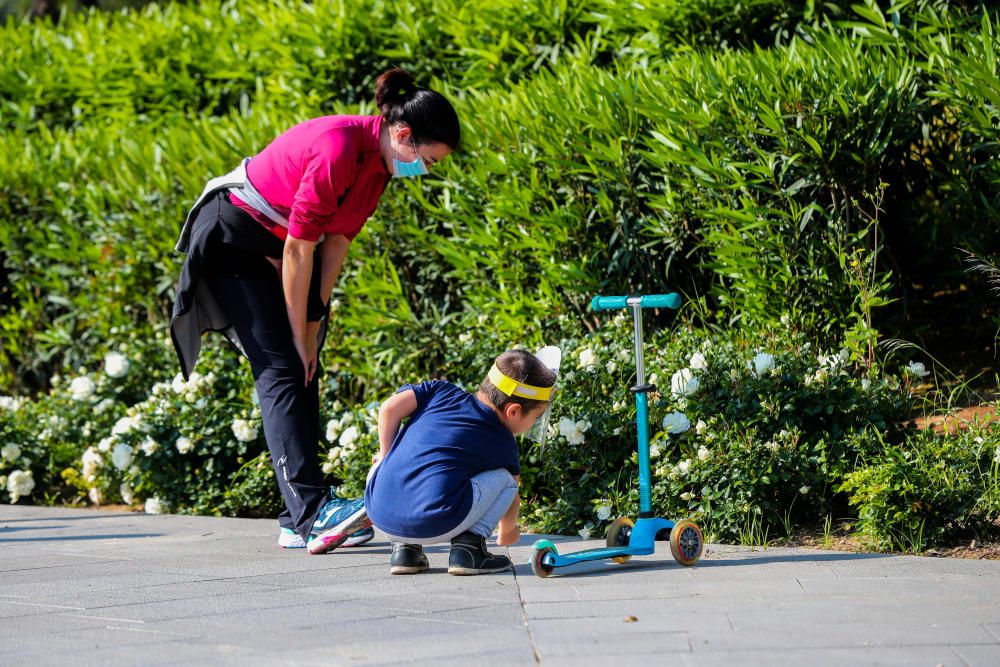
[324,175]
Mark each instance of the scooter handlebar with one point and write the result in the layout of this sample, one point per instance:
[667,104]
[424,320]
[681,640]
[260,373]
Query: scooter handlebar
[672,300]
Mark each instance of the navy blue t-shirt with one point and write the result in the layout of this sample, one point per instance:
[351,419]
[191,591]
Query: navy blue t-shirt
[422,487]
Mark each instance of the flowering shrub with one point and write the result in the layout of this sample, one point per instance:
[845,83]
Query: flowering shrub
[934,487]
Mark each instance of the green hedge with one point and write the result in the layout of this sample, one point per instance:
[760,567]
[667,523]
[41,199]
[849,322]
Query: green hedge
[787,169]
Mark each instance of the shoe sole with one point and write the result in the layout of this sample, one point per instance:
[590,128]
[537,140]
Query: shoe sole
[333,538]
[408,569]
[466,571]
[357,543]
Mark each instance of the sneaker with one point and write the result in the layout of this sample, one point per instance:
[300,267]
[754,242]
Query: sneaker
[469,556]
[336,520]
[289,539]
[407,559]
[360,537]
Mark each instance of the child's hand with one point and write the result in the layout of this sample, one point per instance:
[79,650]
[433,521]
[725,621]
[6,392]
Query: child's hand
[376,457]
[508,536]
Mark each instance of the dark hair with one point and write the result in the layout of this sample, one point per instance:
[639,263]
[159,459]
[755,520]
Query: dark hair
[524,367]
[428,114]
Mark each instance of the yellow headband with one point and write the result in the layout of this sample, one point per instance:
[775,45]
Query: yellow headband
[512,387]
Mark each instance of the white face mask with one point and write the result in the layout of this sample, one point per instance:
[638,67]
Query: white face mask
[409,169]
[550,356]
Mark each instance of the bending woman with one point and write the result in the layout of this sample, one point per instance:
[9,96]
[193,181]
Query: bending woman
[265,244]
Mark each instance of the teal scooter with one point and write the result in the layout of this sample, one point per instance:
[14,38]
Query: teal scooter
[626,538]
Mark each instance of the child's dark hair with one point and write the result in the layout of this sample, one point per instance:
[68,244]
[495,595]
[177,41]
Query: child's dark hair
[428,114]
[524,367]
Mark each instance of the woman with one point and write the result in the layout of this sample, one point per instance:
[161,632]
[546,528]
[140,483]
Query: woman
[264,247]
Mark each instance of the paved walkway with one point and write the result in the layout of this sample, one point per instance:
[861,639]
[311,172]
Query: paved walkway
[102,588]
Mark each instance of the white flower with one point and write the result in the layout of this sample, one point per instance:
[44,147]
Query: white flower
[654,450]
[11,403]
[683,466]
[603,512]
[761,363]
[573,430]
[465,337]
[697,362]
[700,427]
[103,406]
[95,495]
[124,425]
[803,489]
[704,454]
[611,366]
[153,506]
[684,383]
[82,388]
[121,456]
[104,445]
[996,455]
[865,384]
[10,452]
[584,532]
[676,422]
[116,364]
[348,437]
[244,430]
[687,495]
[918,369]
[587,358]
[328,468]
[332,430]
[91,461]
[19,483]
[149,446]
[772,445]
[785,320]
[183,445]
[126,492]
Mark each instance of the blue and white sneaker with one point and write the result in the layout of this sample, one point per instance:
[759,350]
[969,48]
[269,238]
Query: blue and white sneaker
[289,539]
[335,523]
[363,536]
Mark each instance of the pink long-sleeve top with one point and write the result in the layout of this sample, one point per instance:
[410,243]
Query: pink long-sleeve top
[325,176]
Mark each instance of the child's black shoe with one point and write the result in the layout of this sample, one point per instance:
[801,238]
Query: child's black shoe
[407,559]
[469,556]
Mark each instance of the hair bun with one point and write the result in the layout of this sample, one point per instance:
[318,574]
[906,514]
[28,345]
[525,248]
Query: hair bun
[392,88]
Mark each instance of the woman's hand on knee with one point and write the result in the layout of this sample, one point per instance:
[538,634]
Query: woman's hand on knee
[309,355]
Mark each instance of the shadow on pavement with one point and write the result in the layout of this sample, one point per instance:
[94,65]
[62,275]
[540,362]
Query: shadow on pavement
[73,538]
[96,515]
[602,568]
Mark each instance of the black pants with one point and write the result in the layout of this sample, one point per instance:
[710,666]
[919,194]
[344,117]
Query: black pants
[248,288]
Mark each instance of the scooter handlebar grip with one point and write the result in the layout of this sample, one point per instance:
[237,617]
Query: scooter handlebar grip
[672,300]
[608,302]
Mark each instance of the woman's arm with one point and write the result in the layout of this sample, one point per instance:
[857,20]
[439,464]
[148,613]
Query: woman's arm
[390,414]
[296,272]
[333,252]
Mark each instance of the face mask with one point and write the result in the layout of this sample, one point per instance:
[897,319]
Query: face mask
[409,169]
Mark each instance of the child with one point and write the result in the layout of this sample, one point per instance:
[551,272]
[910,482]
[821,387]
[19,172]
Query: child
[451,473]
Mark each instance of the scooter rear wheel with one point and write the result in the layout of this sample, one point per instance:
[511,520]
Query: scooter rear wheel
[686,542]
[619,533]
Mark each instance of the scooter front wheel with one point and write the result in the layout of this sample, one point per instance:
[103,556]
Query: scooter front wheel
[539,568]
[686,542]
[619,533]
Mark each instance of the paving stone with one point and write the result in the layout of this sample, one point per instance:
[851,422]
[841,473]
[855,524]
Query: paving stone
[89,587]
